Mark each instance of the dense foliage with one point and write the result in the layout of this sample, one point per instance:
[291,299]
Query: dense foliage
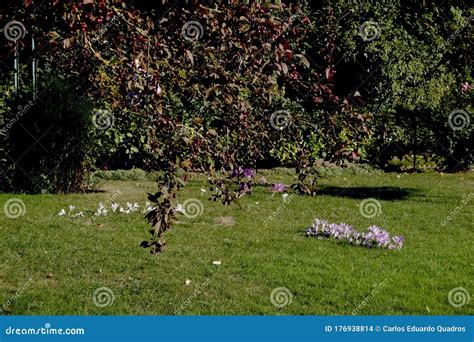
[217,86]
[49,140]
[411,70]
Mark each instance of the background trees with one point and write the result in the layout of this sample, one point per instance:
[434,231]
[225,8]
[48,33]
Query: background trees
[217,85]
[408,70]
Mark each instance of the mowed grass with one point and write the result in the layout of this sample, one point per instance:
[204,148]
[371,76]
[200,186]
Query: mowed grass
[52,265]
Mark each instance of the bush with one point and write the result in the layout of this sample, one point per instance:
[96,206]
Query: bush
[49,139]
[4,164]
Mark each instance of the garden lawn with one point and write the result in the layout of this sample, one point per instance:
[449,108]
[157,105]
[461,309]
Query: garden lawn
[52,265]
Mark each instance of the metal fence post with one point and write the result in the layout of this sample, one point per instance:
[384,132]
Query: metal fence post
[16,67]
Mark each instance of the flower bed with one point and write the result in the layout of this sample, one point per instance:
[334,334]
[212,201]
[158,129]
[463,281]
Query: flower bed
[374,237]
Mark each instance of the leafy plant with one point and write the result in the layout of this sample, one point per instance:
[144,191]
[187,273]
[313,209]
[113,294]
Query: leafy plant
[162,215]
[49,139]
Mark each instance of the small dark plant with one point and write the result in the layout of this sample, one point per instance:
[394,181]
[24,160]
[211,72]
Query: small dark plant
[307,174]
[164,212]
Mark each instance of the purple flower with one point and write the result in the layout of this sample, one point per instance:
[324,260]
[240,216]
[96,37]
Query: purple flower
[397,242]
[377,236]
[244,188]
[346,231]
[249,173]
[465,87]
[278,187]
[383,239]
[237,172]
[374,237]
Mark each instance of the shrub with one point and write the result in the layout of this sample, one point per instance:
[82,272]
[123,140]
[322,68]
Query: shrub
[49,139]
[4,162]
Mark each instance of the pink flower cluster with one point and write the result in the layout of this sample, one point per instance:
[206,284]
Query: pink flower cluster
[374,237]
[465,87]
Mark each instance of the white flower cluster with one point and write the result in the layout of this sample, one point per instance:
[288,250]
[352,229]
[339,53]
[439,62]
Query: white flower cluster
[103,209]
[62,212]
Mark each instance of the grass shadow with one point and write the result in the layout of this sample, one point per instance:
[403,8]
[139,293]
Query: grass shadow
[381,193]
[93,191]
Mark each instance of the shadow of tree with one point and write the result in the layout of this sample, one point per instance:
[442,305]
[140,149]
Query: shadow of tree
[381,193]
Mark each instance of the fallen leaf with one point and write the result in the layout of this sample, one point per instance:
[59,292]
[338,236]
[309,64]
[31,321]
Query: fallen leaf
[190,56]
[304,60]
[227,221]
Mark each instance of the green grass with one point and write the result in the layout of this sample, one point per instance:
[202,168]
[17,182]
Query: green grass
[53,265]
